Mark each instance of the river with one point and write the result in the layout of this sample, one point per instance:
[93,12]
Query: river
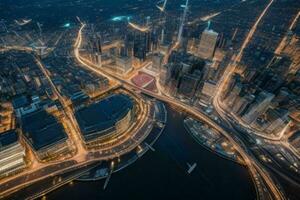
[163,173]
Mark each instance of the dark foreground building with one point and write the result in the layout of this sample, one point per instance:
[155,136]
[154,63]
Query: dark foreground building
[105,119]
[45,135]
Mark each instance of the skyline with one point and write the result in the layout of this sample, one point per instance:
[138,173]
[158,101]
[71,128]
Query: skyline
[232,68]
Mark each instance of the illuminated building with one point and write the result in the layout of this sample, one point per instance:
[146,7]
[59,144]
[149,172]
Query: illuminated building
[105,119]
[12,153]
[209,89]
[46,137]
[277,119]
[234,94]
[242,103]
[207,44]
[188,84]
[124,64]
[157,60]
[260,105]
[295,140]
[165,74]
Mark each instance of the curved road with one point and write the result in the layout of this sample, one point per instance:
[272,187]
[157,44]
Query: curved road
[252,164]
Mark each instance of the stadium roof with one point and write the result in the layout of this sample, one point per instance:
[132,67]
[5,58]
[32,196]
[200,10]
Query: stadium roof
[103,115]
[42,129]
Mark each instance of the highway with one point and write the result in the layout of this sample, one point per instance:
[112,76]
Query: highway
[221,109]
[84,157]
[17,48]
[139,28]
[284,41]
[227,75]
[237,58]
[254,167]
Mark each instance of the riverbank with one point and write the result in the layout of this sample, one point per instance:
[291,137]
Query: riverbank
[211,140]
[102,171]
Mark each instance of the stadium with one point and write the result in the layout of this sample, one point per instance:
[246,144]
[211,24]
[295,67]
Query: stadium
[105,119]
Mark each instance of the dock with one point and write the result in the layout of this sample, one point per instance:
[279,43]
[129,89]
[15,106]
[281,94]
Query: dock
[149,146]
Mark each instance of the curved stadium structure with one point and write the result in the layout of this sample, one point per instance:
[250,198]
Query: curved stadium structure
[106,118]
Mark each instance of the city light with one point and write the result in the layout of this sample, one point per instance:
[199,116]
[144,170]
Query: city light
[83,99]
[67,25]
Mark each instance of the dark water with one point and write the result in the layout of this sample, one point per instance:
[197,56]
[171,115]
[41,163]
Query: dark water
[162,174]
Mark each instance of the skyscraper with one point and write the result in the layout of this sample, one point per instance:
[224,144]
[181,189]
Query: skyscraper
[207,44]
[261,104]
[242,103]
[188,84]
[157,60]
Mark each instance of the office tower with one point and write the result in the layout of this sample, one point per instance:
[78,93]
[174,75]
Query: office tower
[124,64]
[157,61]
[250,74]
[209,89]
[98,44]
[188,85]
[273,83]
[162,37]
[282,96]
[147,40]
[278,119]
[261,104]
[191,47]
[236,78]
[140,47]
[207,44]
[163,75]
[233,94]
[242,103]
[98,59]
[154,40]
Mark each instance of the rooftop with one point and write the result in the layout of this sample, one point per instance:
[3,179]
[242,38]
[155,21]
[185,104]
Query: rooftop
[8,138]
[20,102]
[104,114]
[42,129]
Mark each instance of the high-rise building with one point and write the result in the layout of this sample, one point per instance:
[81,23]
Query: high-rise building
[277,120]
[124,64]
[139,51]
[207,44]
[12,153]
[165,74]
[148,43]
[261,104]
[242,103]
[236,78]
[209,89]
[98,60]
[234,94]
[188,85]
[157,61]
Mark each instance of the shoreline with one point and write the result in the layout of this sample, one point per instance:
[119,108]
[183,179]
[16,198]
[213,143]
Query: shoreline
[210,149]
